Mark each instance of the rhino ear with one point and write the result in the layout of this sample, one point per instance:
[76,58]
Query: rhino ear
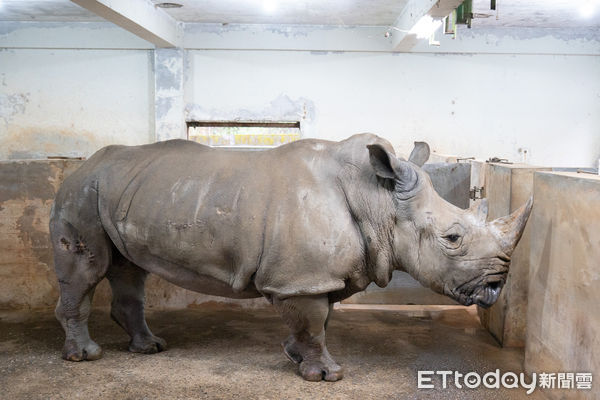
[387,166]
[420,154]
[381,161]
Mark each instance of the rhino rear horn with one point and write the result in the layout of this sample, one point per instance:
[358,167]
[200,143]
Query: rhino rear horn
[480,210]
[420,154]
[509,229]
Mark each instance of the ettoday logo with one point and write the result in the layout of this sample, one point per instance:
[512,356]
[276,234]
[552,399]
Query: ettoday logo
[508,380]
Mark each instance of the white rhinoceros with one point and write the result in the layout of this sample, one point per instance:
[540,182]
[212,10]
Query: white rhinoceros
[304,225]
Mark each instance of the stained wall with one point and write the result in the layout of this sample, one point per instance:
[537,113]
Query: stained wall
[69,89]
[71,102]
[27,278]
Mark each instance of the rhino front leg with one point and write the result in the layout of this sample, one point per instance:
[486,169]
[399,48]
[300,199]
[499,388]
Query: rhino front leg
[127,282]
[307,316]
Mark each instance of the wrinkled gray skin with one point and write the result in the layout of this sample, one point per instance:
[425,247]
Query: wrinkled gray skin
[304,225]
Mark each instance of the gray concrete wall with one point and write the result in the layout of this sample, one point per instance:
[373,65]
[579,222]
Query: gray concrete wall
[563,322]
[27,278]
[451,181]
[403,289]
[508,186]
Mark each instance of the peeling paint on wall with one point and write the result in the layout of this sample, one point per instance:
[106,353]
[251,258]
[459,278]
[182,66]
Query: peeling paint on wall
[12,104]
[168,85]
[284,30]
[525,33]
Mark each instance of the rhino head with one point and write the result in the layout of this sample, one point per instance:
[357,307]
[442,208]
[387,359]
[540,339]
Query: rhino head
[453,251]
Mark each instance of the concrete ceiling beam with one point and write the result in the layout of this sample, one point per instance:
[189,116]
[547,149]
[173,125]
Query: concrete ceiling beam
[140,17]
[402,37]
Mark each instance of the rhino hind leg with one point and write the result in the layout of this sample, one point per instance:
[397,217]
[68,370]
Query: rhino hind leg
[81,259]
[306,317]
[127,308]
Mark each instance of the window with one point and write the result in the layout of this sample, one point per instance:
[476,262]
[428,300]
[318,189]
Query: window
[243,135]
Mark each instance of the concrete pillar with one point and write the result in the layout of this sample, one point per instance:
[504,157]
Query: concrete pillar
[169,101]
[563,322]
[508,186]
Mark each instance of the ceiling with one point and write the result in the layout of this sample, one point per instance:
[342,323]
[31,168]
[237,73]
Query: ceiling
[510,13]
[538,13]
[44,10]
[307,12]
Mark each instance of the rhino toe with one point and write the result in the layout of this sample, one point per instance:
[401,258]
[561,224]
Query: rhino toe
[317,370]
[147,345]
[74,351]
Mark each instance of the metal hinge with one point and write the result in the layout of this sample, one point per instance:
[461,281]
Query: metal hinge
[477,193]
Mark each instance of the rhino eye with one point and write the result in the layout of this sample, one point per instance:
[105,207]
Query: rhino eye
[453,238]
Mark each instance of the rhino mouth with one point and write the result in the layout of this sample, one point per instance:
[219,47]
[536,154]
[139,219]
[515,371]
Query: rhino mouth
[489,293]
[484,292]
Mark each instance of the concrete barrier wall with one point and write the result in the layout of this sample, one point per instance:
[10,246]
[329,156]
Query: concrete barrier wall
[27,190]
[563,322]
[27,278]
[402,289]
[508,186]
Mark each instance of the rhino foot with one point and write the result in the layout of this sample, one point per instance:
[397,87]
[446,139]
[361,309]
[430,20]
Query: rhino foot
[310,369]
[307,316]
[147,345]
[315,370]
[74,351]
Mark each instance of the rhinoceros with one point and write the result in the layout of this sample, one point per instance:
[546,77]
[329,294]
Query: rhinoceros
[305,225]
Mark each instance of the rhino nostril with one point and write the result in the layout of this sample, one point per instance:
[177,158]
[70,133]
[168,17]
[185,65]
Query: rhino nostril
[504,258]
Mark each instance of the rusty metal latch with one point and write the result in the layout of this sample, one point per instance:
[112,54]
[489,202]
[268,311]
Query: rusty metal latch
[477,193]
[498,160]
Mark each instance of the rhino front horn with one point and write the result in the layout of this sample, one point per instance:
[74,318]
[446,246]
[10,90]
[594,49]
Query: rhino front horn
[509,229]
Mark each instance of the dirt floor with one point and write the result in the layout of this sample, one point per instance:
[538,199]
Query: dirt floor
[221,352]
